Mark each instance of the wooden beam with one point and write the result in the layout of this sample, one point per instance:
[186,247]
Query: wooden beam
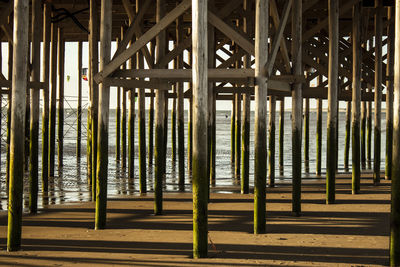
[143,40]
[229,31]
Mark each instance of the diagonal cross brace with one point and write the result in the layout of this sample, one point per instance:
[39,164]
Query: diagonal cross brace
[142,41]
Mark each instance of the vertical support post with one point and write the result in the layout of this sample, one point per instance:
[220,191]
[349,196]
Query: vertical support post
[118,125]
[369,129]
[19,87]
[53,99]
[181,118]
[10,66]
[238,122]
[378,90]
[389,95]
[356,99]
[190,132]
[233,132]
[142,124]
[260,146]
[200,86]
[210,104]
[173,121]
[244,184]
[307,135]
[281,135]
[45,91]
[271,141]
[297,106]
[151,115]
[104,103]
[395,209]
[131,126]
[363,132]
[93,69]
[159,153]
[123,118]
[347,135]
[332,100]
[319,138]
[79,109]
[61,61]
[35,103]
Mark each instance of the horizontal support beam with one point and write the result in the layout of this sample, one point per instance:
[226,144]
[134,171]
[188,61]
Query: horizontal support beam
[133,83]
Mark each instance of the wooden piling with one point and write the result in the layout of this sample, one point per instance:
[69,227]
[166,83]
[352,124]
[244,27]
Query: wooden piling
[244,183]
[369,129]
[151,114]
[318,163]
[356,99]
[19,88]
[271,141]
[297,106]
[389,95]
[281,136]
[79,108]
[45,91]
[10,66]
[142,129]
[123,118]
[118,126]
[238,122]
[200,85]
[363,133]
[378,90]
[260,146]
[395,207]
[104,103]
[347,136]
[190,134]
[233,132]
[131,127]
[307,135]
[210,107]
[53,99]
[332,100]
[61,73]
[94,88]
[181,119]
[159,153]
[35,102]
[173,121]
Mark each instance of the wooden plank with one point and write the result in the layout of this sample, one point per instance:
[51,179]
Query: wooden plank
[143,40]
[132,84]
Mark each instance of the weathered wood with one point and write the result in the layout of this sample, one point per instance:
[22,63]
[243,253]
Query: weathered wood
[363,133]
[143,40]
[104,103]
[297,106]
[123,129]
[181,118]
[260,150]
[118,124]
[378,91]
[61,73]
[318,135]
[347,136]
[307,135]
[151,115]
[389,94]
[233,131]
[200,85]
[142,124]
[244,183]
[271,141]
[53,99]
[10,66]
[131,127]
[278,35]
[19,86]
[45,95]
[94,88]
[281,136]
[35,103]
[159,153]
[369,129]
[332,100]
[210,107]
[356,103]
[242,41]
[395,207]
[238,114]
[79,108]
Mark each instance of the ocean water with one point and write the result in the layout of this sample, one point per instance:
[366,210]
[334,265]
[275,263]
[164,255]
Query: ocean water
[70,182]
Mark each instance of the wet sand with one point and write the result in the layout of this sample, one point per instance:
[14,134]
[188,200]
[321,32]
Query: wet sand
[353,232]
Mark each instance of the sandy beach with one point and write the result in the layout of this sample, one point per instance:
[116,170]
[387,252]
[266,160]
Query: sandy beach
[352,232]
